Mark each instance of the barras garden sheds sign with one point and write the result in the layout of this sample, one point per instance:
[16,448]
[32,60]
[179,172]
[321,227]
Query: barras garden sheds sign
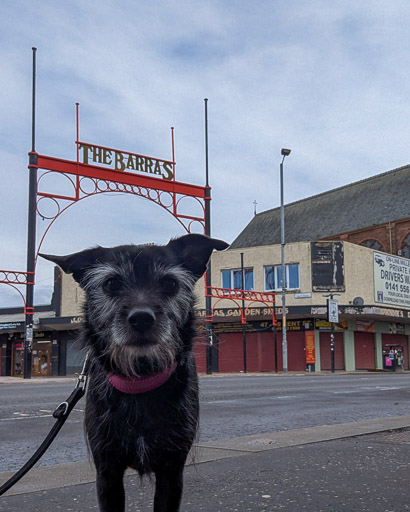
[391,280]
[124,161]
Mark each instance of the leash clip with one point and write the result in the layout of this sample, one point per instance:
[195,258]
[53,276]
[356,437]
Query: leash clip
[82,377]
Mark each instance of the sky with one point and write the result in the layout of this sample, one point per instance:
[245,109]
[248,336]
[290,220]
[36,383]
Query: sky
[329,80]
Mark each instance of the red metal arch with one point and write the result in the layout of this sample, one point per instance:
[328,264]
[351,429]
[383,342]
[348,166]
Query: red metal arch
[87,180]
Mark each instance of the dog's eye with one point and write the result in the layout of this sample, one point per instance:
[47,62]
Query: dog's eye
[169,285]
[112,285]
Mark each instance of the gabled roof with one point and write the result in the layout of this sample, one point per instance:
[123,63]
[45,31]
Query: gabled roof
[376,200]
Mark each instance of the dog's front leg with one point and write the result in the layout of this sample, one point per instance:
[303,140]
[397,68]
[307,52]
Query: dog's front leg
[110,489]
[168,489]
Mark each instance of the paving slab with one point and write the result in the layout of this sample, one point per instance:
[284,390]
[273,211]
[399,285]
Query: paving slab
[82,472]
[367,473]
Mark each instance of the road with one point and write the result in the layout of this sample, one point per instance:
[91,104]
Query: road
[231,406]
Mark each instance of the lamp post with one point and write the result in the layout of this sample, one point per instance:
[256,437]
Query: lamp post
[332,316]
[284,153]
[243,309]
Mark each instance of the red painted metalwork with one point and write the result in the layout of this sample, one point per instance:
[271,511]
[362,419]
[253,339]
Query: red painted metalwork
[237,296]
[15,277]
[86,180]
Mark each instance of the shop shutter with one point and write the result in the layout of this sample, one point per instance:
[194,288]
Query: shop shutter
[364,350]
[296,351]
[230,352]
[325,355]
[200,353]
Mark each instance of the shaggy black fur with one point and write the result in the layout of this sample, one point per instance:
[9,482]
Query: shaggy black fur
[138,321]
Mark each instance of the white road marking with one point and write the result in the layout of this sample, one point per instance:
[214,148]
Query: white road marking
[364,389]
[33,416]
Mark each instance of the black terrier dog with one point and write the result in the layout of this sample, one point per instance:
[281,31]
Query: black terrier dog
[142,397]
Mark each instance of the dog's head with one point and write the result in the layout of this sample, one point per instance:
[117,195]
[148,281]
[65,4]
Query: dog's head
[139,299]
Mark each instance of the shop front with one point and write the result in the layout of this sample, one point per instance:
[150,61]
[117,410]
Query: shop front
[263,346]
[395,352]
[41,358]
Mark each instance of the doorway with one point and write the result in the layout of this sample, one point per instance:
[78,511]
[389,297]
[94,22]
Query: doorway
[41,365]
[41,359]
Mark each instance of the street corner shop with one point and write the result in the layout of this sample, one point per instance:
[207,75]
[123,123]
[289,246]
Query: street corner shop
[365,336]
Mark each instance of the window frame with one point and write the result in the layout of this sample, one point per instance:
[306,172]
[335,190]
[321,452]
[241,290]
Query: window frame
[277,281]
[231,271]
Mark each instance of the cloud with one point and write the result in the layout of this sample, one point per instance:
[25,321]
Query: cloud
[328,81]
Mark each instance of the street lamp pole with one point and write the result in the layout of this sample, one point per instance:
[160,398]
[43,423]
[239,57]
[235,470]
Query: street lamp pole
[284,153]
[333,316]
[243,310]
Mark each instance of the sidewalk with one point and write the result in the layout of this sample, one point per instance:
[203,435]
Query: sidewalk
[72,378]
[353,467]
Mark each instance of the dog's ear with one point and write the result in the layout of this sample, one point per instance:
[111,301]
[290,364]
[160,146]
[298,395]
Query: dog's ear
[78,262]
[194,251]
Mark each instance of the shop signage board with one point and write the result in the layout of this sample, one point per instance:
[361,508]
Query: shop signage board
[391,280]
[11,326]
[325,325]
[126,161]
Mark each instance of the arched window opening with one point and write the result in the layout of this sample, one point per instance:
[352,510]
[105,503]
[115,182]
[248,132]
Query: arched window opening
[405,247]
[372,244]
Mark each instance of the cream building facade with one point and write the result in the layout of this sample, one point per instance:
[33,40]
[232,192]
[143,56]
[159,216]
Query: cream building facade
[370,325]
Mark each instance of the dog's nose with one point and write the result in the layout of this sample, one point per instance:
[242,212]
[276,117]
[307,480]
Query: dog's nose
[141,319]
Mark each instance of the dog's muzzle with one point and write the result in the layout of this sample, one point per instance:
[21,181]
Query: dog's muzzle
[141,319]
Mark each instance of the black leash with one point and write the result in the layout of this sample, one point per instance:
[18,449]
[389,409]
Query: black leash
[61,414]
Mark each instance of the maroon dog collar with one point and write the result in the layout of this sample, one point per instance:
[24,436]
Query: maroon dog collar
[136,385]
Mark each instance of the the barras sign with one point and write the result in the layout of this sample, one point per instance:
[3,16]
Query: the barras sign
[391,280]
[124,161]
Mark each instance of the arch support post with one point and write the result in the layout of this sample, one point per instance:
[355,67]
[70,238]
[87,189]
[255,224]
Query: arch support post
[31,235]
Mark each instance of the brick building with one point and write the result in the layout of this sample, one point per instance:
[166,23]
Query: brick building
[374,212]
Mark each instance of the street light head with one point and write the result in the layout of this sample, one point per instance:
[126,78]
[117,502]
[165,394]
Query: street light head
[285,152]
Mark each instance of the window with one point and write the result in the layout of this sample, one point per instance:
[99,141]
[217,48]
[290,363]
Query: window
[232,278]
[273,277]
[405,248]
[372,244]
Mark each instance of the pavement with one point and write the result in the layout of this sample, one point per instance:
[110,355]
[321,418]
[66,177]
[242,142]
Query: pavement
[358,466]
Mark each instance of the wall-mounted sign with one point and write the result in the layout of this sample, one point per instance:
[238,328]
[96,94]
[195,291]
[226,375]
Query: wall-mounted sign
[327,266]
[11,326]
[124,161]
[396,328]
[324,325]
[365,326]
[391,280]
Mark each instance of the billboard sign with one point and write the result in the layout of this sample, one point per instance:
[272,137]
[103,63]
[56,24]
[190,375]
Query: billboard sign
[391,280]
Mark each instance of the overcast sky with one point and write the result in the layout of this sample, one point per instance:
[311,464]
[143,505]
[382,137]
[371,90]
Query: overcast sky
[327,79]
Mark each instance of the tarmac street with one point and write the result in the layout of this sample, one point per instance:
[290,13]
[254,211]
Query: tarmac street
[352,463]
